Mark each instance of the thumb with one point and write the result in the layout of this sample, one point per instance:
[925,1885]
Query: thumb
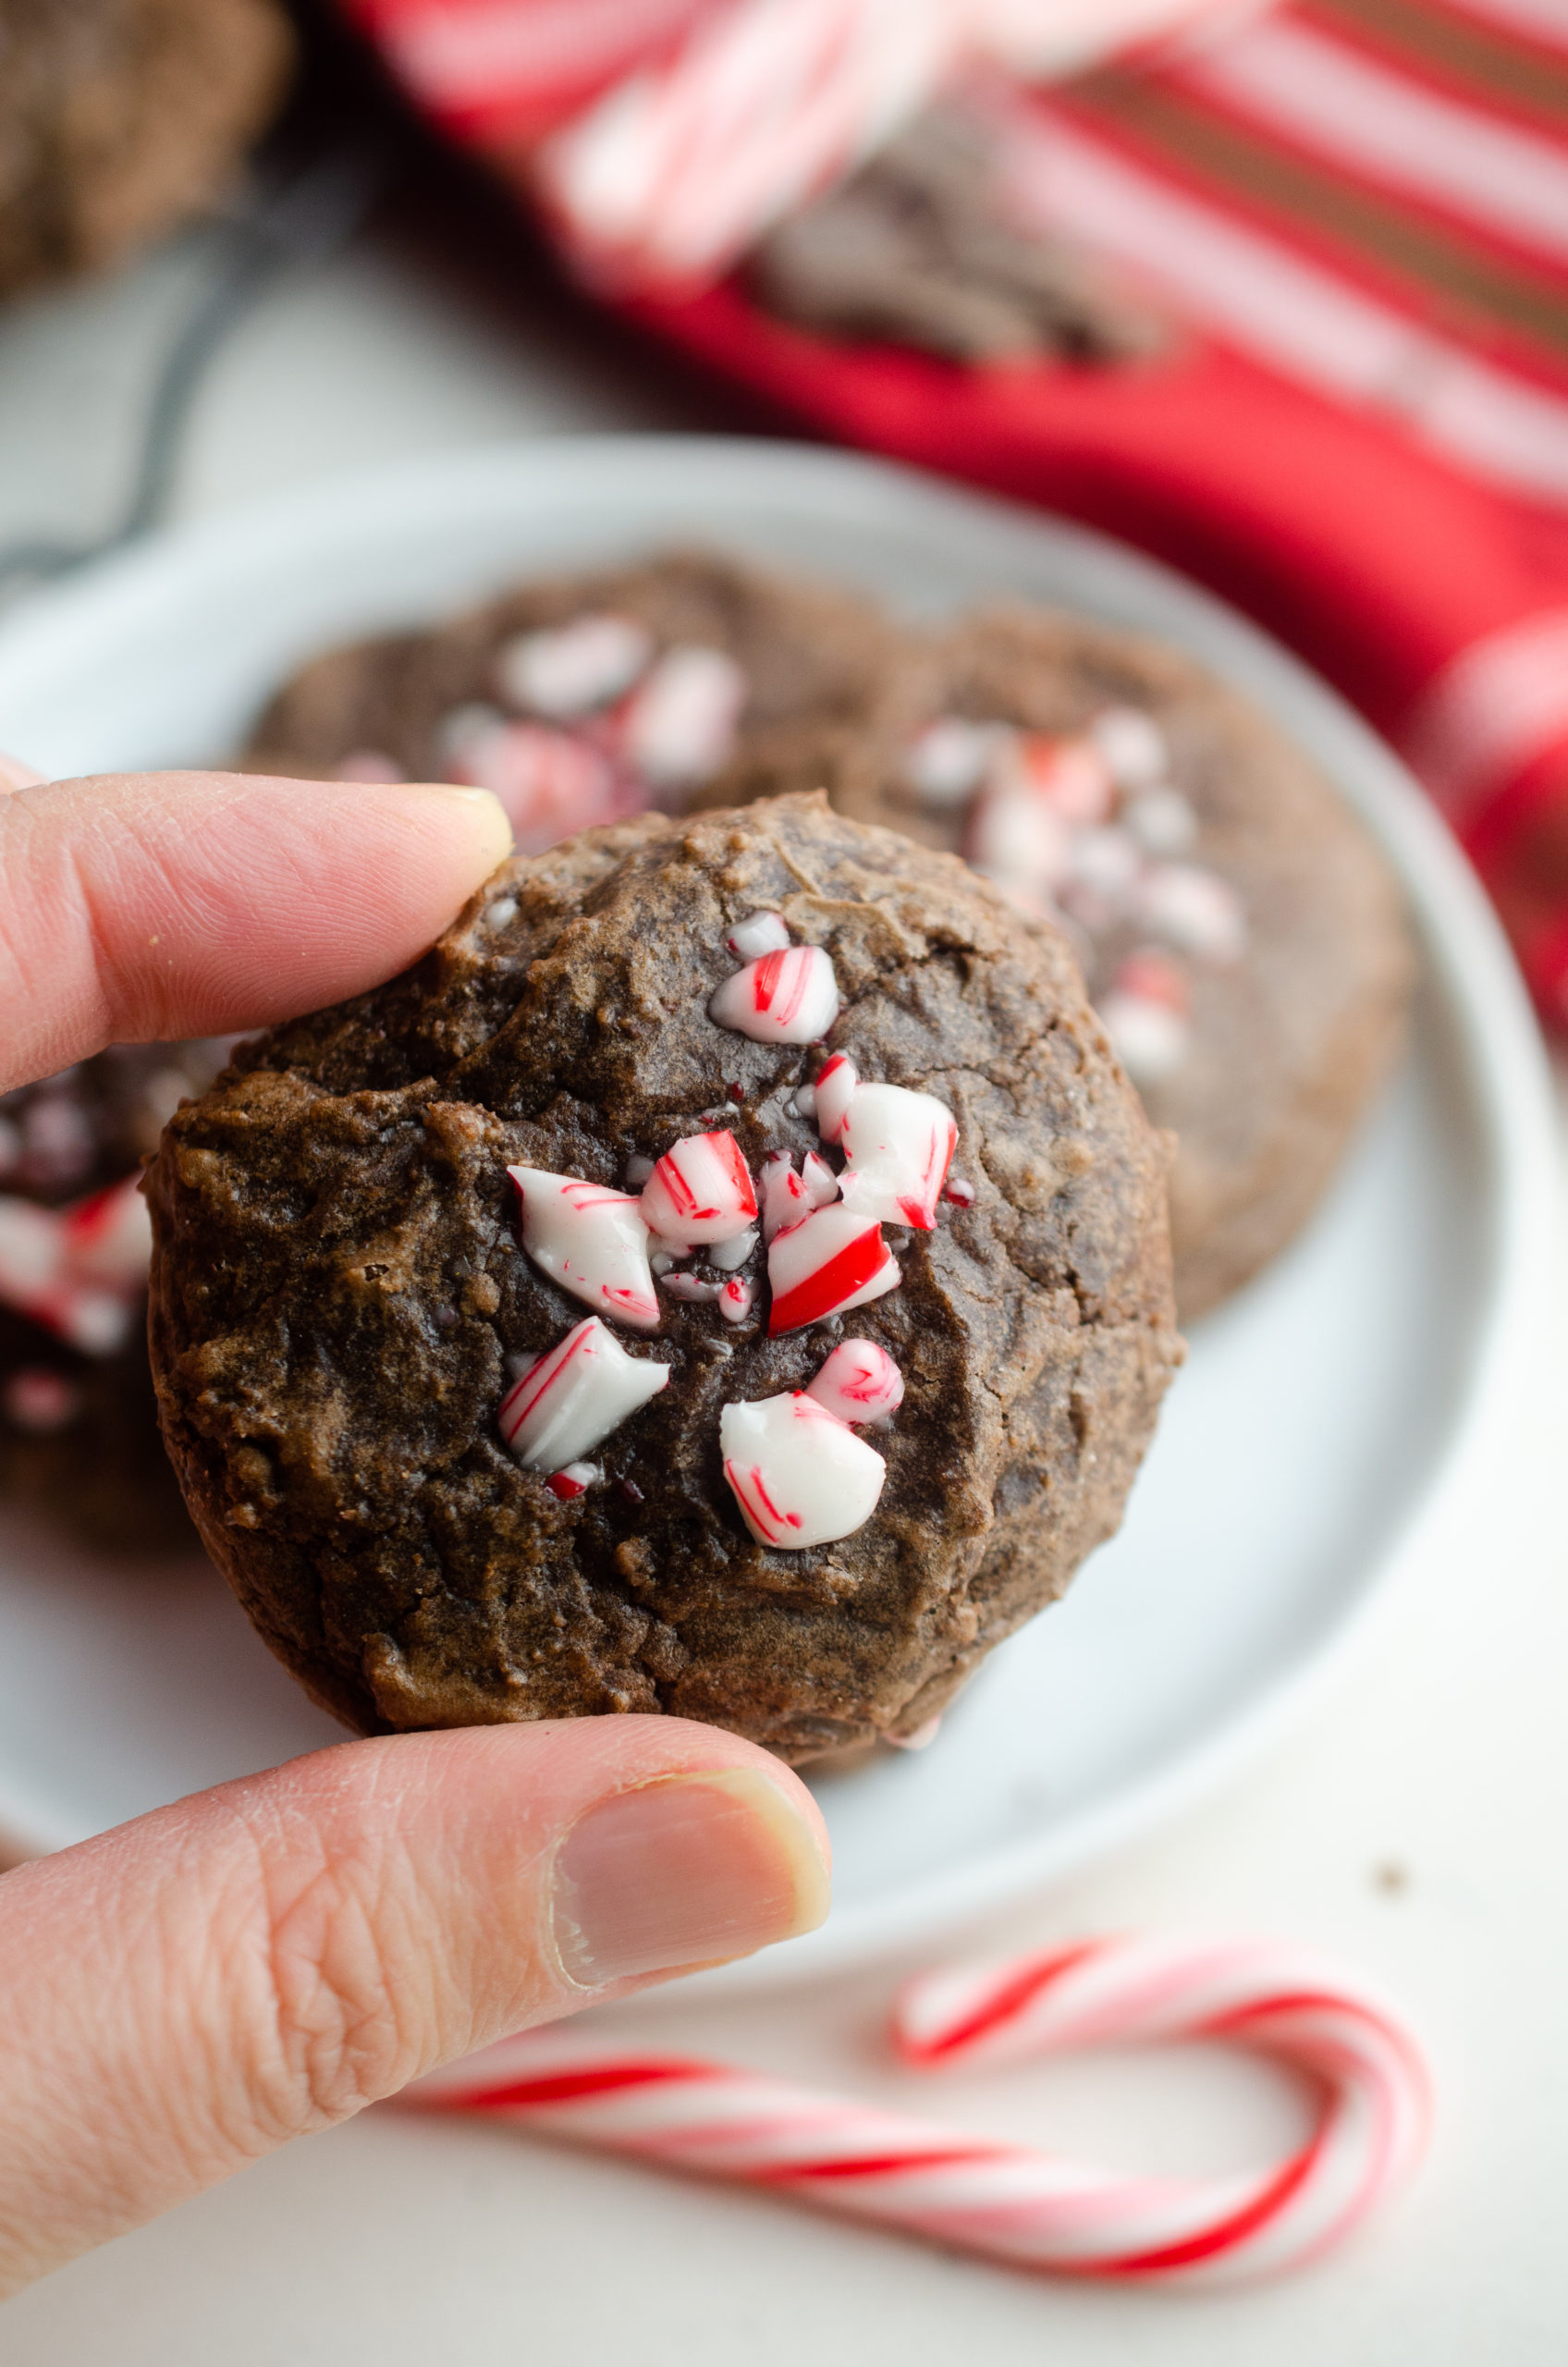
[184,1994]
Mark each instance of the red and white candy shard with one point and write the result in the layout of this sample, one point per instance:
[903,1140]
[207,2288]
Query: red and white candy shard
[699,1191]
[859,1383]
[575,1480]
[1070,776]
[785,1200]
[833,1260]
[1194,910]
[576,667]
[898,1146]
[590,1240]
[108,1237]
[799,1476]
[1017,839]
[760,933]
[680,723]
[786,997]
[39,1278]
[736,1298]
[551,784]
[834,1084]
[728,1255]
[574,1397]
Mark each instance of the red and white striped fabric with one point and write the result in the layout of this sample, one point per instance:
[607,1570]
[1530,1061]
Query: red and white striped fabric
[1005,2202]
[1357,210]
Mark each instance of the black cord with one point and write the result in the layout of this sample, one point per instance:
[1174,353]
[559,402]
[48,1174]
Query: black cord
[302,219]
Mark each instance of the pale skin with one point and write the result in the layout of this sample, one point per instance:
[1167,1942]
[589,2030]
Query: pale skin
[191,1991]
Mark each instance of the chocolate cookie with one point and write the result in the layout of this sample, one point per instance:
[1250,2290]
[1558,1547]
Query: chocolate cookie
[79,1432]
[1242,936]
[1242,939]
[795,1470]
[119,119]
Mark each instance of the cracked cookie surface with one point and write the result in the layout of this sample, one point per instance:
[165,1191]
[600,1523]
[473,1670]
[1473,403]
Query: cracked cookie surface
[337,1288]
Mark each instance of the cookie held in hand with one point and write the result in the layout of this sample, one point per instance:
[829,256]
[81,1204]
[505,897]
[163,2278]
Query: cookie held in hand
[547,1332]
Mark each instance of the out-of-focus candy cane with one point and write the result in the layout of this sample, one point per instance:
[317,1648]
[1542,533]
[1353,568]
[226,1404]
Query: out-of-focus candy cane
[1008,2202]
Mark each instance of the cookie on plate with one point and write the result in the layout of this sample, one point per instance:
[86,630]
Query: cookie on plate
[79,1432]
[1242,937]
[728,1275]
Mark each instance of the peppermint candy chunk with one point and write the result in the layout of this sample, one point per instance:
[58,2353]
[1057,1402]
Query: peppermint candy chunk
[788,997]
[835,1081]
[590,1240]
[821,1183]
[679,724]
[785,1200]
[108,1237]
[946,763]
[1018,841]
[551,784]
[1194,910]
[39,1279]
[1149,1038]
[691,1287]
[859,1383]
[800,1477]
[1131,746]
[728,1255]
[833,1260]
[1162,821]
[898,1146]
[574,668]
[736,1298]
[573,1398]
[1070,777]
[699,1191]
[575,1480]
[762,933]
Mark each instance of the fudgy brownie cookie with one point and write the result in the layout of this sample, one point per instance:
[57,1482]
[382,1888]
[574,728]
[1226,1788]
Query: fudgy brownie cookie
[79,1432]
[1242,935]
[837,1417]
[119,119]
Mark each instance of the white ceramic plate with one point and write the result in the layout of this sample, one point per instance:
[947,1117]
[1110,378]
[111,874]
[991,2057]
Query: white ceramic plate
[1322,1427]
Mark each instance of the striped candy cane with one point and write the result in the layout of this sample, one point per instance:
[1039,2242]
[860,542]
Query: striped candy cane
[1008,2202]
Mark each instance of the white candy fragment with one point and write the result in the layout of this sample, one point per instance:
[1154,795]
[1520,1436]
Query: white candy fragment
[1132,745]
[821,1183]
[762,933]
[1018,841]
[799,1476]
[785,1200]
[947,761]
[590,1240]
[550,783]
[831,1261]
[575,1396]
[679,725]
[786,997]
[1108,860]
[736,1298]
[728,1255]
[689,1286]
[834,1084]
[575,668]
[898,1146]
[859,1383]
[1149,1038]
[699,1191]
[575,1480]
[1194,910]
[805,1100]
[959,1190]
[637,1170]
[1162,822]
[1070,777]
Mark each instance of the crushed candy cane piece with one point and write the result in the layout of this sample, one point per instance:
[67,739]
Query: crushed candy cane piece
[898,1146]
[1106,859]
[638,1170]
[679,722]
[1018,841]
[859,1383]
[39,1400]
[728,1255]
[803,1101]
[1194,910]
[947,761]
[1149,1038]
[786,997]
[699,1191]
[1131,746]
[785,1200]
[762,933]
[959,1190]
[831,1261]
[108,1237]
[835,1081]
[689,1286]
[1154,977]
[40,1277]
[591,1241]
[821,1183]
[574,1396]
[736,1298]
[1070,777]
[799,1476]
[575,1480]
[574,667]
[551,784]
[1162,821]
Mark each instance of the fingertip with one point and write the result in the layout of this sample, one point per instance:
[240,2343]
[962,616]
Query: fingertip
[472,820]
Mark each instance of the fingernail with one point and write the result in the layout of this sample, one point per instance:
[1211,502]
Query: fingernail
[498,828]
[695,1870]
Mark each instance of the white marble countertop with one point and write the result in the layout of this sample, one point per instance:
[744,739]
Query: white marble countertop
[1417,1824]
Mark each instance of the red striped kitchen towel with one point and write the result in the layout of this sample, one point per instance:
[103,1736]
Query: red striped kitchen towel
[1357,210]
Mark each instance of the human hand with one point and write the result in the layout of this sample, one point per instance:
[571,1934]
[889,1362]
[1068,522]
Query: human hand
[190,1992]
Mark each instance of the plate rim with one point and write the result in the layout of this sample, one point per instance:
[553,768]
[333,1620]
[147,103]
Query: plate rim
[1496,1039]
